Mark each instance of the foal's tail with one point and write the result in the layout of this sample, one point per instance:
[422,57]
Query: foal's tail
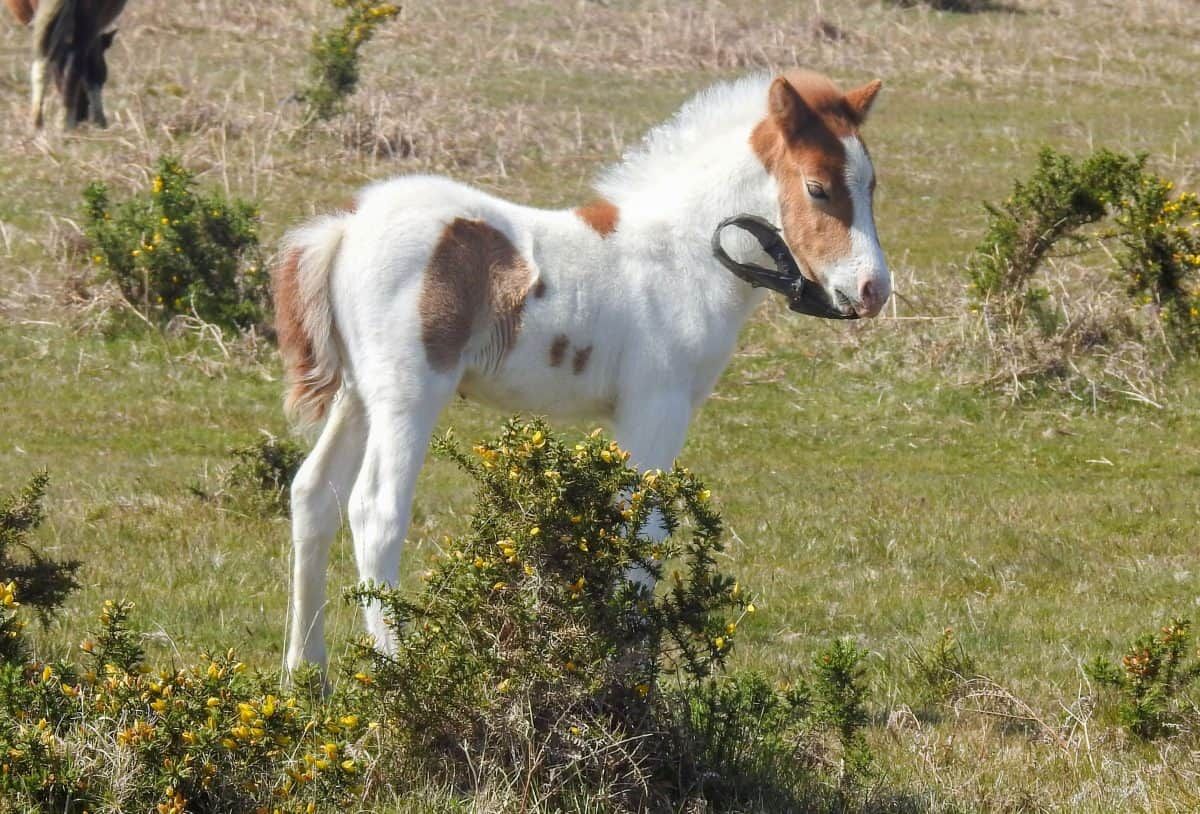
[304,318]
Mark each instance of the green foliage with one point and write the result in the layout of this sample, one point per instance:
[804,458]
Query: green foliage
[941,667]
[177,251]
[529,639]
[1060,197]
[262,472]
[41,582]
[1154,672]
[333,58]
[740,740]
[113,734]
[839,698]
[1089,333]
[1160,253]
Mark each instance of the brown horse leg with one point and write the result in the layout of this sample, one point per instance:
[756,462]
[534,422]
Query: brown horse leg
[72,89]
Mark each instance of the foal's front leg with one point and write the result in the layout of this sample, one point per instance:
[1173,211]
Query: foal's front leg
[652,428]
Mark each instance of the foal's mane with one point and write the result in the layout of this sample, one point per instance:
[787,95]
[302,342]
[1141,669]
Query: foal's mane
[717,115]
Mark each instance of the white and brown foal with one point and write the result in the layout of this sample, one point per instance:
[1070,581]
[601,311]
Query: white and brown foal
[615,311]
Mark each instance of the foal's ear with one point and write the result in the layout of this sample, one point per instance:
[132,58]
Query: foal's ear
[861,99]
[787,108]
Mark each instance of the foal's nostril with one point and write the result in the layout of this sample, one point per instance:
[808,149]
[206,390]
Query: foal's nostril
[866,294]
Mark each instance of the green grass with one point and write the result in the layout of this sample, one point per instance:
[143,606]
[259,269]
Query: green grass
[868,491]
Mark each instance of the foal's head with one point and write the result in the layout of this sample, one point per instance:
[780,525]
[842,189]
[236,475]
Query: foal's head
[809,144]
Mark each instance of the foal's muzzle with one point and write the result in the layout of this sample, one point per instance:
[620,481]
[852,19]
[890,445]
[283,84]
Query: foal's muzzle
[803,295]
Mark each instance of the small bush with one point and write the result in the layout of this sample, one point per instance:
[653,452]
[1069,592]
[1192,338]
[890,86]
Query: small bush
[1082,332]
[1060,197]
[262,473]
[839,696]
[528,640]
[741,740]
[333,58]
[941,668]
[112,734]
[176,251]
[41,582]
[1154,672]
[1160,253]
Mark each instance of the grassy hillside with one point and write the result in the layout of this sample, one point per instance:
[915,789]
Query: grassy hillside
[871,490]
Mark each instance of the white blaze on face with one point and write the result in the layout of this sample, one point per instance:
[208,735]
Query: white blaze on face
[862,278]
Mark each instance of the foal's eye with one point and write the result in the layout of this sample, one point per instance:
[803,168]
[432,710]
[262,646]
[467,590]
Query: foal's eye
[816,191]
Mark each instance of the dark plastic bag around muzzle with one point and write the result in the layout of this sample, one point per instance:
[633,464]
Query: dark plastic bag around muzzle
[803,296]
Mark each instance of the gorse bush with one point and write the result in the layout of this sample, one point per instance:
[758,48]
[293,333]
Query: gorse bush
[527,661]
[112,734]
[941,668]
[262,473]
[1155,672]
[175,250]
[42,582]
[839,695]
[529,639]
[1159,258]
[1060,197]
[333,58]
[737,733]
[1106,327]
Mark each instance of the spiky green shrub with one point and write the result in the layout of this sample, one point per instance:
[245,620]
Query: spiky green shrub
[528,639]
[840,694]
[1103,328]
[940,668]
[262,473]
[111,733]
[741,740]
[1159,259]
[333,58]
[42,582]
[176,250]
[1061,196]
[1155,672]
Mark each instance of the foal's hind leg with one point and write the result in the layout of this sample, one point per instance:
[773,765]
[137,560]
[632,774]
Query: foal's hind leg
[320,493]
[381,504]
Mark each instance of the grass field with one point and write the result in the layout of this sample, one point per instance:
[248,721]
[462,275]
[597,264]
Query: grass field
[870,489]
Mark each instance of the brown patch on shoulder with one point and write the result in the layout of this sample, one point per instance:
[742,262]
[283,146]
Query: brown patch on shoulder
[558,350]
[581,359]
[601,215]
[800,141]
[475,276]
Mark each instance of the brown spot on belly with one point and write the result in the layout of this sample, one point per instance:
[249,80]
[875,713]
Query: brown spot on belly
[558,350]
[581,359]
[476,280]
[601,215]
